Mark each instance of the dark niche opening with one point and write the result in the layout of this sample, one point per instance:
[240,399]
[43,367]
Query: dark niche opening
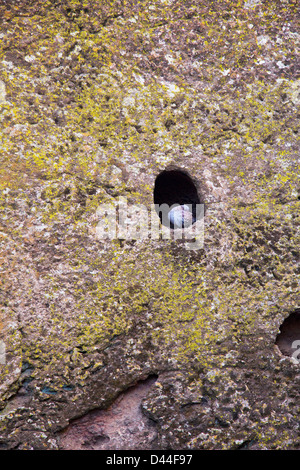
[289,335]
[175,187]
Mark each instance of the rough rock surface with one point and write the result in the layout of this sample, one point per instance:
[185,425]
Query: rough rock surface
[97,97]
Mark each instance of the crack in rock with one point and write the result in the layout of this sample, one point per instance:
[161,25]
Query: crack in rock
[121,426]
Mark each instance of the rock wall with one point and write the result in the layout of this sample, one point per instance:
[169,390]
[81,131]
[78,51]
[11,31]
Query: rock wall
[140,342]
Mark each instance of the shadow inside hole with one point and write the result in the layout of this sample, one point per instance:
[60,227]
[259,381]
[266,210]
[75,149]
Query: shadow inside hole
[175,187]
[289,334]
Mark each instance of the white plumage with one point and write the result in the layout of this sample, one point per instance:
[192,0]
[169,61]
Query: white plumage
[181,216]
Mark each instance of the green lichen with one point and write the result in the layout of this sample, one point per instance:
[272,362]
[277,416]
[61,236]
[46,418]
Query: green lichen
[100,91]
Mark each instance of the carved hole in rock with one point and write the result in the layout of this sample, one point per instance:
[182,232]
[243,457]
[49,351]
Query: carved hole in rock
[175,187]
[289,335]
[122,426]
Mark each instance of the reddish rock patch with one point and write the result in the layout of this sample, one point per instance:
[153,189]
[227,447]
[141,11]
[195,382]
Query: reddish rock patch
[122,426]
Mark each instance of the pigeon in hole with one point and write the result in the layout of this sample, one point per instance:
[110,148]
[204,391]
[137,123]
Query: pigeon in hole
[181,217]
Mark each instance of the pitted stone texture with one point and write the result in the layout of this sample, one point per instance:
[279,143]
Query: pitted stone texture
[122,426]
